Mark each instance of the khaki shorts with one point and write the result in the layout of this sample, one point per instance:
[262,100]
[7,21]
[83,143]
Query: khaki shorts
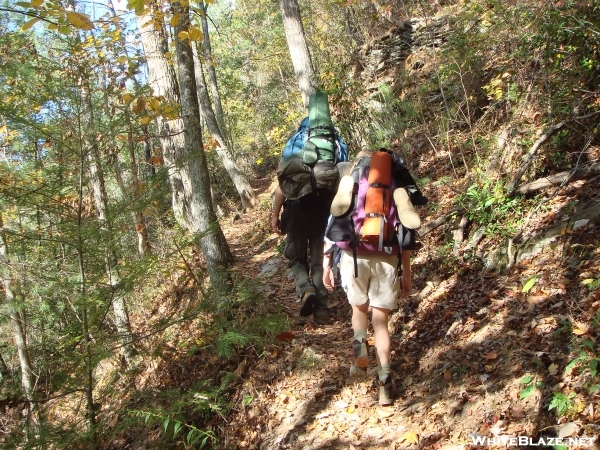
[377,281]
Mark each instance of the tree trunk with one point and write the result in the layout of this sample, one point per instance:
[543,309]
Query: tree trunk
[137,215]
[16,318]
[101,204]
[240,181]
[294,34]
[200,213]
[162,80]
[212,74]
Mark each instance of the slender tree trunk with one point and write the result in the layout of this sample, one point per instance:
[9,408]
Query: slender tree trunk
[200,213]
[87,350]
[16,319]
[137,215]
[296,40]
[3,368]
[212,74]
[240,181]
[101,204]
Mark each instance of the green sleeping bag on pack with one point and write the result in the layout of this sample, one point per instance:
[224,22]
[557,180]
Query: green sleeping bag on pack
[320,145]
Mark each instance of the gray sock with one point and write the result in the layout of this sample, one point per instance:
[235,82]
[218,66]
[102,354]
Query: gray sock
[383,371]
[359,335]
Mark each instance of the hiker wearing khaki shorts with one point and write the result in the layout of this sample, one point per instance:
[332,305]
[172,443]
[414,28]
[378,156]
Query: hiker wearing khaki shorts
[378,287]
[373,222]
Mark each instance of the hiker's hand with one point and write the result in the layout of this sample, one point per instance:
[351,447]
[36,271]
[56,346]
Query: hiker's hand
[328,279]
[406,284]
[276,224]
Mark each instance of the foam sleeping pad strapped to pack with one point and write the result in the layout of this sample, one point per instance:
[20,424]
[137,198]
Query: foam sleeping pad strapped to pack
[375,227]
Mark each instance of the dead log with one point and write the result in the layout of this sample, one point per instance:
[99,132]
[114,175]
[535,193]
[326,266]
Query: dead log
[459,235]
[560,178]
[440,221]
[528,158]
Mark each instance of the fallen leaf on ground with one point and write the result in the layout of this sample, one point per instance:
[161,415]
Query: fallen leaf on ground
[517,412]
[491,355]
[410,437]
[285,336]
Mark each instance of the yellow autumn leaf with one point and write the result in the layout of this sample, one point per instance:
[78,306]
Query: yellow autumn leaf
[122,59]
[79,20]
[195,34]
[175,20]
[169,112]
[27,25]
[139,105]
[580,329]
[350,409]
[183,35]
[410,437]
[127,98]
[154,104]
[37,3]
[145,120]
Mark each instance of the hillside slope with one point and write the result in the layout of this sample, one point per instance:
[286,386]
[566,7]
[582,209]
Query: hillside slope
[473,355]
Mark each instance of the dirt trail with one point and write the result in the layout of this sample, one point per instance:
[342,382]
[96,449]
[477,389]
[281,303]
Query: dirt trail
[462,346]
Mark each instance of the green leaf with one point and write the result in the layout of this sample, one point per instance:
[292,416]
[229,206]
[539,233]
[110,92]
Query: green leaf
[203,443]
[560,447]
[190,436]
[166,423]
[526,379]
[529,284]
[527,391]
[176,428]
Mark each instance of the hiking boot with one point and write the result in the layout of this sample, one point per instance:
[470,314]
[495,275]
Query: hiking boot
[357,372]
[406,211]
[321,316]
[309,298]
[343,198]
[386,391]
[361,353]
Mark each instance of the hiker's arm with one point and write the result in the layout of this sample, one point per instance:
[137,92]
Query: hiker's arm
[406,281]
[328,278]
[277,204]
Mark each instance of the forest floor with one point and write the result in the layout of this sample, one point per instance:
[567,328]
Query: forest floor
[473,355]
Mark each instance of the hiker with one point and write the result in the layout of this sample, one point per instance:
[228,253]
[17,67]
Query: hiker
[308,176]
[369,266]
[303,221]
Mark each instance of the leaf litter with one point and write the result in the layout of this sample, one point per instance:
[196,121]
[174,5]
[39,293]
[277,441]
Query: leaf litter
[462,345]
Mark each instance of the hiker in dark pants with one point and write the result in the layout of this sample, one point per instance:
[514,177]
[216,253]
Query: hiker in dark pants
[303,222]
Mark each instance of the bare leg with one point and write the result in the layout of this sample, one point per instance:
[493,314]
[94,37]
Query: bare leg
[382,335]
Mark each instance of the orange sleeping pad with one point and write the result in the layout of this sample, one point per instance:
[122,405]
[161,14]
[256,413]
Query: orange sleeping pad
[378,198]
